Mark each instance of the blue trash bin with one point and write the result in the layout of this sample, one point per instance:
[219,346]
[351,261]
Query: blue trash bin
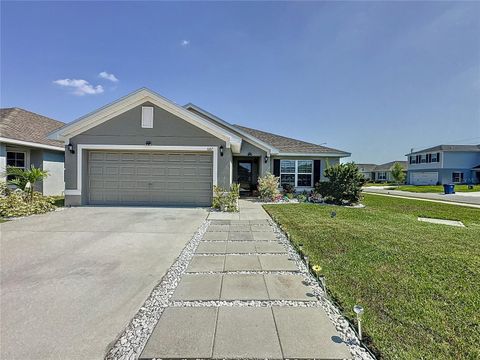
[449,188]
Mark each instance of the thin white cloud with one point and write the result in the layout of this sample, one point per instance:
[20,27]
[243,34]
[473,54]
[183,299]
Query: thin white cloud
[185,43]
[80,87]
[106,75]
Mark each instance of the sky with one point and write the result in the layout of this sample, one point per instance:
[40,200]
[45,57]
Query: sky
[372,78]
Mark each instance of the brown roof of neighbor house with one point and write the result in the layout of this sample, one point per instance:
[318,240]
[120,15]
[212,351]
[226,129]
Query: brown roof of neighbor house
[448,148]
[388,166]
[23,125]
[289,145]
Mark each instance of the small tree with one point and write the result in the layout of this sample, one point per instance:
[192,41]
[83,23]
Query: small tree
[26,179]
[344,185]
[398,173]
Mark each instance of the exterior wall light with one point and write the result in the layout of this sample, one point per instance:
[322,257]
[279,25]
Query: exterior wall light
[70,148]
[249,154]
[148,143]
[359,311]
[221,150]
[266,159]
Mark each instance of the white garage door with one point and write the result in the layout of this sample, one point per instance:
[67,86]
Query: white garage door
[424,178]
[149,178]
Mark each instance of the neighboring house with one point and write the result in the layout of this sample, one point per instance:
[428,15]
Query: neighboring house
[146,150]
[380,173]
[367,170]
[444,164]
[24,142]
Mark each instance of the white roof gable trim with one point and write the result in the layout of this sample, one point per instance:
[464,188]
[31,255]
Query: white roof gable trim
[261,144]
[138,98]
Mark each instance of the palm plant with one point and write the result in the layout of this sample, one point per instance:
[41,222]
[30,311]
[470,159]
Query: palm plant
[26,179]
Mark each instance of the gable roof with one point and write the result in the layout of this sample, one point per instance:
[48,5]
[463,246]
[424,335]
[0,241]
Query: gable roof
[388,166]
[22,127]
[366,167]
[289,146]
[448,148]
[138,98]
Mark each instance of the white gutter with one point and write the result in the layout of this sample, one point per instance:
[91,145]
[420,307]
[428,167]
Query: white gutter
[31,144]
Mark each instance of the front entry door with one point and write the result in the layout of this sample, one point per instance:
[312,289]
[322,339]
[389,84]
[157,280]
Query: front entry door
[245,175]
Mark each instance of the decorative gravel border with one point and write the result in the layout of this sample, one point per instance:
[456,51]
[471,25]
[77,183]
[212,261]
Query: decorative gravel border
[131,342]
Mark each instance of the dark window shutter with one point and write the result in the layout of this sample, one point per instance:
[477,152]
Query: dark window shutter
[276,167]
[438,157]
[316,171]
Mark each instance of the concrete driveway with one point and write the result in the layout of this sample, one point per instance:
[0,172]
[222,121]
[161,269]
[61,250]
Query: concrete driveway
[72,280]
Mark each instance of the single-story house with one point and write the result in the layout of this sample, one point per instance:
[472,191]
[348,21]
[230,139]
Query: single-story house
[380,173]
[146,150]
[24,142]
[444,164]
[367,170]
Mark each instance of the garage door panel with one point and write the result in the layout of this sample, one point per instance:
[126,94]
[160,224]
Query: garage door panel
[153,178]
[424,178]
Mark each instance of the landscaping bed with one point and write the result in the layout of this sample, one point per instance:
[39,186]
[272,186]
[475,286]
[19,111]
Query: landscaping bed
[418,282]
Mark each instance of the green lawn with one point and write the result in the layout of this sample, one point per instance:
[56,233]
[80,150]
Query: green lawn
[434,188]
[418,282]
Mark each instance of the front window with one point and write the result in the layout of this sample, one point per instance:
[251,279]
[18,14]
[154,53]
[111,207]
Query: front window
[457,177]
[297,173]
[15,159]
[382,175]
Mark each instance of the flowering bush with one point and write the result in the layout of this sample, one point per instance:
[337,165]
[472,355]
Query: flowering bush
[226,200]
[19,203]
[268,187]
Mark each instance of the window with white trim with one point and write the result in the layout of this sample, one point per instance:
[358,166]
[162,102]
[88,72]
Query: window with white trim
[457,177]
[147,117]
[297,173]
[382,175]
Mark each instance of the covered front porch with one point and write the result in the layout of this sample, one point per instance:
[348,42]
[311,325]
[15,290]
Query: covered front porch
[246,171]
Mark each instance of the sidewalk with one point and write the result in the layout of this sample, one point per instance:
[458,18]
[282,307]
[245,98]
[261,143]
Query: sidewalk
[463,199]
[243,297]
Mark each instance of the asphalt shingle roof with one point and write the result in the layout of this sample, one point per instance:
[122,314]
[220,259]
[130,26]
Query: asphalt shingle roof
[389,165]
[288,145]
[449,148]
[23,125]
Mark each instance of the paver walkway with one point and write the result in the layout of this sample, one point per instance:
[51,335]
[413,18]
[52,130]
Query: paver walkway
[242,297]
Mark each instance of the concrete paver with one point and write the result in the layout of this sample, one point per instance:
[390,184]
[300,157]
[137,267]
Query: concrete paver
[307,333]
[244,287]
[241,247]
[246,332]
[215,236]
[206,263]
[269,247]
[242,263]
[277,263]
[288,287]
[240,236]
[215,247]
[264,236]
[198,287]
[182,333]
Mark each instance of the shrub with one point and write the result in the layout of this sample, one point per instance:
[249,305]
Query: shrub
[344,185]
[268,187]
[19,203]
[25,179]
[288,189]
[4,190]
[302,198]
[226,200]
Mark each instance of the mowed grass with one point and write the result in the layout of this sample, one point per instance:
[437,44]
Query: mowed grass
[434,188]
[418,282]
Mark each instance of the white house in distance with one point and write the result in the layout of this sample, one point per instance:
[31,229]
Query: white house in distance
[444,164]
[24,142]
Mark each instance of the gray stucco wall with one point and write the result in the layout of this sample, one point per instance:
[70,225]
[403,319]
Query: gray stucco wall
[3,161]
[125,129]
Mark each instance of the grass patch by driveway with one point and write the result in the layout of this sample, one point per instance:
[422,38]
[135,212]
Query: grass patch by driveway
[434,188]
[418,282]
